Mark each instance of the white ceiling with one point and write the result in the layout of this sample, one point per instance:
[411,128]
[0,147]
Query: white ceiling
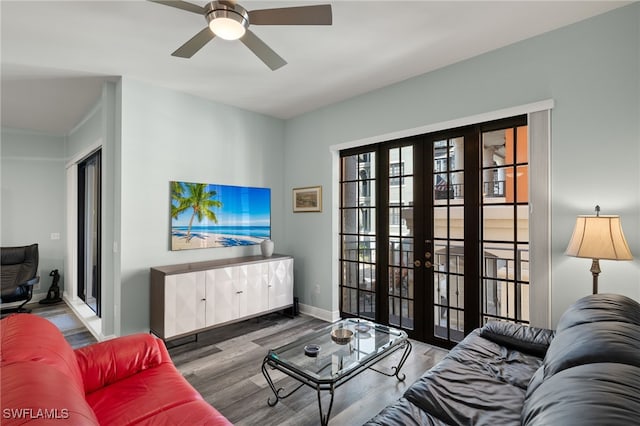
[55,54]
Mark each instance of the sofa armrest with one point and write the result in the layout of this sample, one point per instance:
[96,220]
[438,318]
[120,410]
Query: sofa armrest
[107,362]
[530,340]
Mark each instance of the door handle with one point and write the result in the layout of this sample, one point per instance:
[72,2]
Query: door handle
[428,264]
[417,263]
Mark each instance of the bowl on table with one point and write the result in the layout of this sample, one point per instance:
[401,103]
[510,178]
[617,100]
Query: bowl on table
[341,336]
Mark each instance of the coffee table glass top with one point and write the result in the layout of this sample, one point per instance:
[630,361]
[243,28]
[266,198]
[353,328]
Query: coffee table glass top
[335,360]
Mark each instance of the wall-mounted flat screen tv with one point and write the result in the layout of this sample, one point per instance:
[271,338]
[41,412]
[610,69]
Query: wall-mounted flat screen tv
[207,215]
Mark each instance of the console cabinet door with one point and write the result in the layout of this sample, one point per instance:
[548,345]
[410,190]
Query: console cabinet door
[280,283]
[184,303]
[255,298]
[226,293]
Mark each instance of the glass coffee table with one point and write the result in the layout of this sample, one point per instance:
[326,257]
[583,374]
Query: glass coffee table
[333,355]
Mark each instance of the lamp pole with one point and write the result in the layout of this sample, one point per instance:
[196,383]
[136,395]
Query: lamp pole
[595,271]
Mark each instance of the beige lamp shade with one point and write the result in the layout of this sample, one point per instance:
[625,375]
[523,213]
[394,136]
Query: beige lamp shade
[599,237]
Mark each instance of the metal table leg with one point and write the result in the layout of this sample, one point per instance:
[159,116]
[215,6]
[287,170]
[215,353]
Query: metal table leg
[277,392]
[324,418]
[396,369]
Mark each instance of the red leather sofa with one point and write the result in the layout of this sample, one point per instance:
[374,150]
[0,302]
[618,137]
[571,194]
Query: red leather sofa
[128,380]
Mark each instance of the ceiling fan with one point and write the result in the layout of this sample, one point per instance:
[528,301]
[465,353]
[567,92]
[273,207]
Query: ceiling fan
[230,21]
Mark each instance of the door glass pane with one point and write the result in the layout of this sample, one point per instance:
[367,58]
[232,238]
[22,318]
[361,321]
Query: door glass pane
[367,277]
[394,281]
[407,287]
[496,258]
[522,184]
[394,311]
[523,223]
[456,291]
[457,324]
[407,252]
[441,222]
[498,223]
[441,188]
[522,145]
[367,305]
[493,184]
[349,274]
[441,322]
[407,159]
[349,168]
[395,251]
[456,222]
[349,300]
[456,187]
[349,221]
[349,194]
[456,154]
[407,314]
[350,247]
[395,221]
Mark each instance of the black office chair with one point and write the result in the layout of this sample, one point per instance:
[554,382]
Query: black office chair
[19,269]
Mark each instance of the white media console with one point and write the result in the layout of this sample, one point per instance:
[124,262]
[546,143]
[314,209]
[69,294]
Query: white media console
[192,297]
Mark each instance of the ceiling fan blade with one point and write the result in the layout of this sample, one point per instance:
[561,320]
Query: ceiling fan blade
[301,15]
[189,7]
[262,51]
[196,43]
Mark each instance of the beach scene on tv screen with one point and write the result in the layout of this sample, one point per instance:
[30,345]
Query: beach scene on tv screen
[208,215]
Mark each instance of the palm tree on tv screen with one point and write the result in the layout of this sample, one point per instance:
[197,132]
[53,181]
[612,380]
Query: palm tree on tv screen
[177,195]
[198,199]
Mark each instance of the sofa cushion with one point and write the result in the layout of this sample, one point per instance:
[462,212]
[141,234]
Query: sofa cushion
[600,308]
[478,382]
[36,393]
[592,394]
[107,362]
[27,337]
[404,413]
[531,340]
[595,342]
[154,396]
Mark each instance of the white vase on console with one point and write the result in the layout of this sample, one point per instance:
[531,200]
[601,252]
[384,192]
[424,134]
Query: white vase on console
[266,247]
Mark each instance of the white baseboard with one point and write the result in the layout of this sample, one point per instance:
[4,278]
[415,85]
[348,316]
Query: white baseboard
[322,314]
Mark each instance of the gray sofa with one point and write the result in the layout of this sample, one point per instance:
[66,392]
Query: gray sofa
[587,372]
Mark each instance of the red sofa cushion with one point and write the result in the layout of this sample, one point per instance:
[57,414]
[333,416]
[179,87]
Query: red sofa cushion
[157,396]
[27,337]
[107,362]
[36,394]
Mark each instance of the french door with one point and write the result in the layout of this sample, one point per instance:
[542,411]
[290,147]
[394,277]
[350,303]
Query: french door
[434,230]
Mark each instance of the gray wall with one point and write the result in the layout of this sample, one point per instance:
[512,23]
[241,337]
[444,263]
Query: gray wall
[173,136]
[591,70]
[33,198]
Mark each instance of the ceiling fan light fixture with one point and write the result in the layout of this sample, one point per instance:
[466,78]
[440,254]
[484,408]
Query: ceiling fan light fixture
[226,22]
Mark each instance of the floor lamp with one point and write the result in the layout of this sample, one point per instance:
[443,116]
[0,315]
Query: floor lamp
[598,237]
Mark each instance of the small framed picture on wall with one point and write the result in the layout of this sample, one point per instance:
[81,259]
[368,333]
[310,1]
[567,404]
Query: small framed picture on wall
[307,199]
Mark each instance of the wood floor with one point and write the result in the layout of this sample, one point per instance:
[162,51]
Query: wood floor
[224,365]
